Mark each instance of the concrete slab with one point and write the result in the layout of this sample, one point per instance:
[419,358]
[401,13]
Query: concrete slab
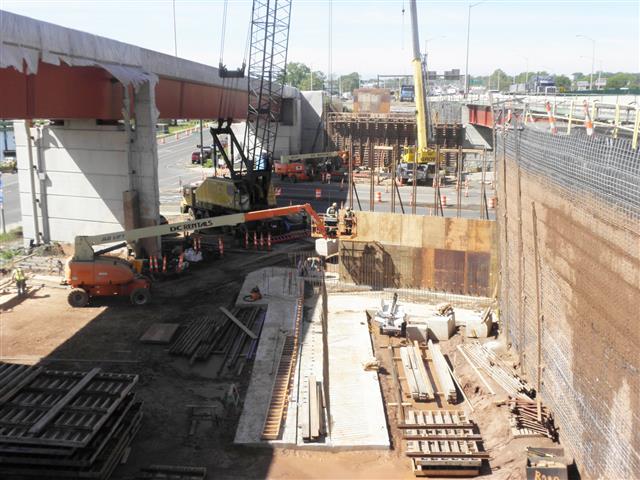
[355,401]
[275,284]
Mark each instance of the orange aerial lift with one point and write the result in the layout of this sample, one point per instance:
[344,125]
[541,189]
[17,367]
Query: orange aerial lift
[95,274]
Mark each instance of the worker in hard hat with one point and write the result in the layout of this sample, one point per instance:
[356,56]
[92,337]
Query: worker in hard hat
[331,219]
[348,221]
[21,281]
[332,211]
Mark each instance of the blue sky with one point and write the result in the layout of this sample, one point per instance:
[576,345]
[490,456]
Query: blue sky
[372,36]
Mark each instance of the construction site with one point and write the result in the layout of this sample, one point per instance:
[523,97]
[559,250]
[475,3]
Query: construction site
[291,285]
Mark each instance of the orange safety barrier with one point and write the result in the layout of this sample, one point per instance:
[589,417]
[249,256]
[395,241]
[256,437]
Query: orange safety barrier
[588,123]
[552,120]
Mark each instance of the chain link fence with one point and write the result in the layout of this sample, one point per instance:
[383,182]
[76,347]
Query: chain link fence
[569,236]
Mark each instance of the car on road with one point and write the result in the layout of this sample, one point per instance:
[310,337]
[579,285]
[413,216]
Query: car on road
[195,156]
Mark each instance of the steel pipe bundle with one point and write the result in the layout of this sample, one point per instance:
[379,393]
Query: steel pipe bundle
[501,374]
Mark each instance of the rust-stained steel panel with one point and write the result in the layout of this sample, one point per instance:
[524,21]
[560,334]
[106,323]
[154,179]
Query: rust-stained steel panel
[478,270]
[449,270]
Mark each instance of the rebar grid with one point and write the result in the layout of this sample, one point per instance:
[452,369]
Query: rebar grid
[586,191]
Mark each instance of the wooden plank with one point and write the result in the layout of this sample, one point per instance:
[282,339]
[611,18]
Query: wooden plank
[60,404]
[238,323]
[160,333]
[314,419]
[448,454]
[429,438]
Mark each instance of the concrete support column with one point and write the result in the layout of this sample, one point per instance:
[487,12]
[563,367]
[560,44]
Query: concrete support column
[71,182]
[144,163]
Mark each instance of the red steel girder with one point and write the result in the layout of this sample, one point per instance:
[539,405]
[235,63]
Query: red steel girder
[91,92]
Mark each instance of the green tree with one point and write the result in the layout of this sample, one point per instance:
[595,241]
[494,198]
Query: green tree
[622,80]
[318,82]
[350,82]
[499,80]
[563,83]
[297,73]
[577,76]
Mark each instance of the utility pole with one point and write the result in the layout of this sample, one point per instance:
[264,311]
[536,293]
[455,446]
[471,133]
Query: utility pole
[466,70]
[175,33]
[593,58]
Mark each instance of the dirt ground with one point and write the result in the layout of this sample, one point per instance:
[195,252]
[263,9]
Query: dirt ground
[43,328]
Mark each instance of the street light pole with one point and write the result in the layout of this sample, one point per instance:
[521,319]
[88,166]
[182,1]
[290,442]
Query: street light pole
[593,58]
[466,69]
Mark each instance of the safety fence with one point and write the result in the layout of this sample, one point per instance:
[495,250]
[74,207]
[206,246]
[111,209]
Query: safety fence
[569,236]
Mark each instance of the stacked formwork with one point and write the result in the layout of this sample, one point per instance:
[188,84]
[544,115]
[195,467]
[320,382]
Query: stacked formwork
[449,136]
[360,133]
[569,231]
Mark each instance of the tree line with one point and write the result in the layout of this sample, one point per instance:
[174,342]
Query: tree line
[303,77]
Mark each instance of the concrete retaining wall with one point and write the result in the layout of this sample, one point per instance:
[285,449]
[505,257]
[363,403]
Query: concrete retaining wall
[588,239]
[85,175]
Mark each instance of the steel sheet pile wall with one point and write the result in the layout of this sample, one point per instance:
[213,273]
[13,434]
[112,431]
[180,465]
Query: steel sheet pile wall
[586,195]
[454,255]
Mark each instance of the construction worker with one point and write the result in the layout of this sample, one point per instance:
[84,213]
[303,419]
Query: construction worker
[332,211]
[21,281]
[348,221]
[331,219]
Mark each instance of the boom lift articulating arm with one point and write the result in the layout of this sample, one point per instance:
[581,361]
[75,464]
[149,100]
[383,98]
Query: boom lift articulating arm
[84,244]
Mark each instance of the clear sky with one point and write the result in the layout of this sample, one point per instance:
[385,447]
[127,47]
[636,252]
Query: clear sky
[373,36]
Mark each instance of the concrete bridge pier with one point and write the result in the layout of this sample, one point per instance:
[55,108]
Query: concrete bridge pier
[85,176]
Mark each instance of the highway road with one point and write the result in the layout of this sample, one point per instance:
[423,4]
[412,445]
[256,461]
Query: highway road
[175,169]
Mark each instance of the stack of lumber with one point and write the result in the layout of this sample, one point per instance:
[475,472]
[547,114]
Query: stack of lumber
[443,373]
[442,443]
[415,372]
[65,424]
[485,359]
[524,420]
[218,335]
[312,418]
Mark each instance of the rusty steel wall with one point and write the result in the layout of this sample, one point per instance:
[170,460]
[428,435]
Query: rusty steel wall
[398,267]
[569,211]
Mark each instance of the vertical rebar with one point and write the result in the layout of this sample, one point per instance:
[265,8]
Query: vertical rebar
[414,187]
